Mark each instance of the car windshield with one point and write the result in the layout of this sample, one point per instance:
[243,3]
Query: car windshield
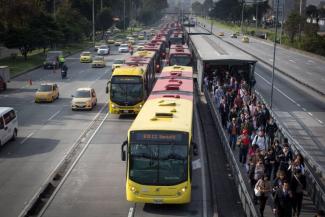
[158,162]
[124,45]
[45,88]
[98,58]
[118,61]
[86,54]
[126,90]
[181,60]
[82,94]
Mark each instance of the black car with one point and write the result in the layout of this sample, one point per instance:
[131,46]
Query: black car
[52,60]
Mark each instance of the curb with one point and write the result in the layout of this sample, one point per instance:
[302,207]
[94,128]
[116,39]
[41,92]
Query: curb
[267,63]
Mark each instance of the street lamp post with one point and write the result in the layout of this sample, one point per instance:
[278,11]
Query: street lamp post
[124,16]
[274,49]
[242,16]
[256,16]
[93,12]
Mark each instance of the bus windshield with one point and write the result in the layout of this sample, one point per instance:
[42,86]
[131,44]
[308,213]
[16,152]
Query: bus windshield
[159,162]
[180,60]
[126,90]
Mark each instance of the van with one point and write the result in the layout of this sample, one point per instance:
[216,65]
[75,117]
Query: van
[8,125]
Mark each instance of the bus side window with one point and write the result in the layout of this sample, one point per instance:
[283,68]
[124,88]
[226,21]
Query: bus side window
[1,123]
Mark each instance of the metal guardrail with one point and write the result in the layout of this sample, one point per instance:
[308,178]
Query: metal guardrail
[243,192]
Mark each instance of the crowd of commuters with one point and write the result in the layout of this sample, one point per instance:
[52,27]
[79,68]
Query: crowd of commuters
[274,172]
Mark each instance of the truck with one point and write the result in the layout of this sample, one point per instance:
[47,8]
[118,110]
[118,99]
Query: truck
[4,77]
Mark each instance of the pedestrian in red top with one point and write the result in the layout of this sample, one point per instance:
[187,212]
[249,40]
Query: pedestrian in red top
[244,145]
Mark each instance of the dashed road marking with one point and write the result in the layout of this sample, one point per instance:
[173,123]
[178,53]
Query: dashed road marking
[309,73]
[55,114]
[131,212]
[304,109]
[321,122]
[292,61]
[27,137]
[310,113]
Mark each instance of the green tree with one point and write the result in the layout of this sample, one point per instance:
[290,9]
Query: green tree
[311,11]
[21,38]
[197,8]
[104,19]
[291,25]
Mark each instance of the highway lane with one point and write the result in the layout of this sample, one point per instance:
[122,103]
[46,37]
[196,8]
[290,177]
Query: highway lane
[96,185]
[305,68]
[46,131]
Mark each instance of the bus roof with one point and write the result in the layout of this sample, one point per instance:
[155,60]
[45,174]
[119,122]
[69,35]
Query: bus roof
[128,70]
[172,95]
[145,53]
[174,46]
[173,84]
[165,114]
[137,60]
[211,48]
[176,71]
[179,51]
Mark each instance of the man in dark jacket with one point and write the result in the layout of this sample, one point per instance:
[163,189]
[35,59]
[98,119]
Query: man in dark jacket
[283,201]
[233,130]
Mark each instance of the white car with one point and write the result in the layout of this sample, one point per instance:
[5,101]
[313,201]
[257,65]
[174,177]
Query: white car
[103,50]
[124,48]
[8,125]
[84,99]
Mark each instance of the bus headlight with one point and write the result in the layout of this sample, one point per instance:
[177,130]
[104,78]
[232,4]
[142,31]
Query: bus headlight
[133,190]
[113,106]
[140,106]
[182,191]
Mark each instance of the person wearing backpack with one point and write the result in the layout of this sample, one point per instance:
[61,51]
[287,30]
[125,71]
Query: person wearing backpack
[260,140]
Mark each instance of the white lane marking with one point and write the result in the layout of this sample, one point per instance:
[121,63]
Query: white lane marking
[321,122]
[55,114]
[309,73]
[310,114]
[73,164]
[27,137]
[131,212]
[298,105]
[310,61]
[271,60]
[196,164]
[280,91]
[292,61]
[304,109]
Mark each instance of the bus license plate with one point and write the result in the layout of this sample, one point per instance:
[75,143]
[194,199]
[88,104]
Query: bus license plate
[125,111]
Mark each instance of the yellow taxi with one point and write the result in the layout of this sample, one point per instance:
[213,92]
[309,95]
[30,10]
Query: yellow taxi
[221,34]
[139,47]
[98,61]
[86,57]
[117,42]
[110,41]
[47,92]
[141,37]
[245,39]
[84,98]
[117,63]
[131,40]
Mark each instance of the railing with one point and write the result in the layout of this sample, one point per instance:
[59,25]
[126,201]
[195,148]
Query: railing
[243,192]
[313,171]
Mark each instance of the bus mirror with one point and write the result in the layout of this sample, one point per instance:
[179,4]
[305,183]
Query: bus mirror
[107,89]
[123,151]
[195,149]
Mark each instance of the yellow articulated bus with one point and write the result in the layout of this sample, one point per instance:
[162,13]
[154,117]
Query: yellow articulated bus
[159,147]
[128,89]
[151,55]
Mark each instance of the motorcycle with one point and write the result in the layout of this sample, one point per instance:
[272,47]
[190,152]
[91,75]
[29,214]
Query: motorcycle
[64,71]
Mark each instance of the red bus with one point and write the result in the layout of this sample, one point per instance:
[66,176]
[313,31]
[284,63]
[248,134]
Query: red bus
[180,56]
